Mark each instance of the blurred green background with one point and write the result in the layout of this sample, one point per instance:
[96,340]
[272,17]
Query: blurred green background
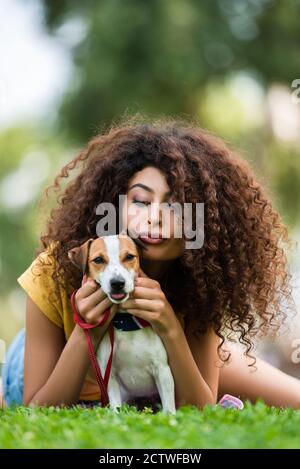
[70,68]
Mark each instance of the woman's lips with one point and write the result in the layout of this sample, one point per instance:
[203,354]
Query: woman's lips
[148,240]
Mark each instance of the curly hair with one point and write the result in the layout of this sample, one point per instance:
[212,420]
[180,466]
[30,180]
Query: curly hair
[237,280]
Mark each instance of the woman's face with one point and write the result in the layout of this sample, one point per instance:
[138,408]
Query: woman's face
[141,214]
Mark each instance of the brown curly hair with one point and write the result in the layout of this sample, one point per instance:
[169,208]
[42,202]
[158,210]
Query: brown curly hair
[237,280]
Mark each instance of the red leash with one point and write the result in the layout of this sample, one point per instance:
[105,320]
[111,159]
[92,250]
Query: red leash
[86,326]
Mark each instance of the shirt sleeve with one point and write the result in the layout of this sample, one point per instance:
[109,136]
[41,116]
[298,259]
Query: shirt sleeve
[38,283]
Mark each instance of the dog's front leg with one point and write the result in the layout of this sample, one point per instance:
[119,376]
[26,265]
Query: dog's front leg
[113,387]
[114,392]
[165,384]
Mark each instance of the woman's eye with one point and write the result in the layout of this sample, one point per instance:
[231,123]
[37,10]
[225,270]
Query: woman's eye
[129,257]
[168,205]
[140,202]
[99,260]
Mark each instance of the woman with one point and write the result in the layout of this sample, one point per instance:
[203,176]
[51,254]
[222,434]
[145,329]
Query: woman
[195,299]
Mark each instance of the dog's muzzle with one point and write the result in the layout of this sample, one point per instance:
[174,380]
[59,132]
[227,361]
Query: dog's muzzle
[117,293]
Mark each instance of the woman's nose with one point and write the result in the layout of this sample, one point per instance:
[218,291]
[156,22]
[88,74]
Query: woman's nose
[155,214]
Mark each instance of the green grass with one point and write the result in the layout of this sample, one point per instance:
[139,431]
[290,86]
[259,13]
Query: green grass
[256,426]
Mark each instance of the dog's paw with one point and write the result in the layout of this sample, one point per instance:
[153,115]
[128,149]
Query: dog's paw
[115,407]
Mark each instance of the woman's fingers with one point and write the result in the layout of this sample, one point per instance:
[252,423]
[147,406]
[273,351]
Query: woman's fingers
[142,303]
[89,296]
[94,300]
[147,282]
[145,292]
[88,287]
[94,314]
[91,289]
[140,313]
[96,296]
[84,279]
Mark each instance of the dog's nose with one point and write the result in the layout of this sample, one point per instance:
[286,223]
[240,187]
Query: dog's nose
[117,284]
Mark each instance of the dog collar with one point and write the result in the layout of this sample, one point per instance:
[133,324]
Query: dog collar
[128,322]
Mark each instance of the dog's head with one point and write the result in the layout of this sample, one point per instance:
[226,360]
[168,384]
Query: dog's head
[112,261]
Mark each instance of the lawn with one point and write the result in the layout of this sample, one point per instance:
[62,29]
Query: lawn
[256,426]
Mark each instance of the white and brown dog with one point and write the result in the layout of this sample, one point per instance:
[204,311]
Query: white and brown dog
[140,364]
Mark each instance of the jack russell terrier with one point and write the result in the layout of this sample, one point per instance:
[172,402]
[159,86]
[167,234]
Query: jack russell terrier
[140,364]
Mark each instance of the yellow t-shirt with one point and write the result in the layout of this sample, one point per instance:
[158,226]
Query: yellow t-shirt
[38,287]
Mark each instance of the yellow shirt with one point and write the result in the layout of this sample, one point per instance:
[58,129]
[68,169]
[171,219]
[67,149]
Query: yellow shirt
[38,287]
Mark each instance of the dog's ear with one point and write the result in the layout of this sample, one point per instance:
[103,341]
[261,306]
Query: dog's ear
[79,255]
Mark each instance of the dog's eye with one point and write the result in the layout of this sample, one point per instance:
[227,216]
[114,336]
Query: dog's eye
[129,257]
[99,260]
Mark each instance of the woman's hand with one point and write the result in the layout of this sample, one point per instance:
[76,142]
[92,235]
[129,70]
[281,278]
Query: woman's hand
[92,302]
[149,302]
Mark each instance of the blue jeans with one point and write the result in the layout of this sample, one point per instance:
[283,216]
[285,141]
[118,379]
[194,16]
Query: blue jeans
[13,373]
[13,370]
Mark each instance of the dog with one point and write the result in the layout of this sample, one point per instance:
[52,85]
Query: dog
[140,364]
